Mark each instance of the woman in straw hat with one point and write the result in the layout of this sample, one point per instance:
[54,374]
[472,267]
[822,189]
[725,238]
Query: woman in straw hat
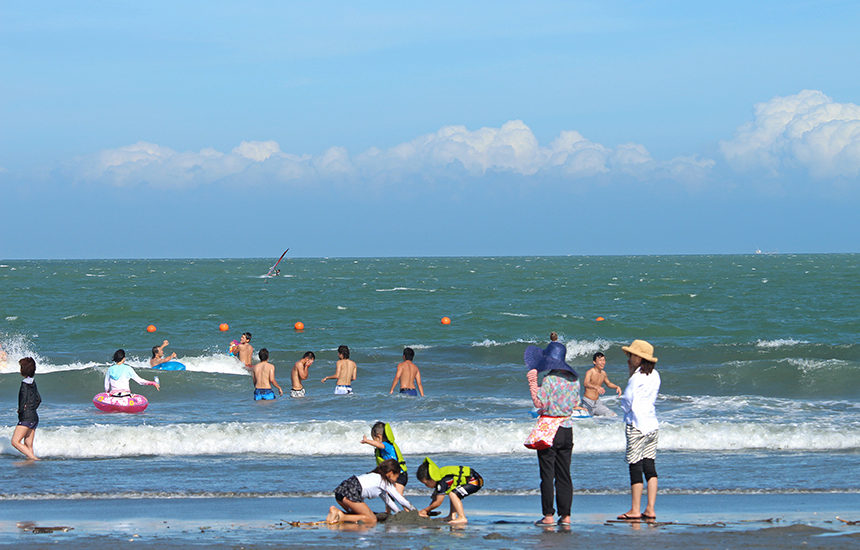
[642,427]
[556,398]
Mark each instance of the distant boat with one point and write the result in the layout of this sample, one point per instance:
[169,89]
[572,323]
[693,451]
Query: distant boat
[758,251]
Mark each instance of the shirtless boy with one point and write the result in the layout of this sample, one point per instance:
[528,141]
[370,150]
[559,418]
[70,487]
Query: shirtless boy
[158,355]
[408,375]
[300,372]
[244,350]
[594,380]
[264,378]
[345,372]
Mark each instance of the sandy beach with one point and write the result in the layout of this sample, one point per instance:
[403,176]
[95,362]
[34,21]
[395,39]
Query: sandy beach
[685,521]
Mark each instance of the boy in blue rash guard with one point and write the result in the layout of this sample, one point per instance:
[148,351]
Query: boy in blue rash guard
[457,482]
[264,378]
[383,440]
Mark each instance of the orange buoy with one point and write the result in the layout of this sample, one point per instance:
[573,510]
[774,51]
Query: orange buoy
[299,325]
[600,319]
[150,328]
[223,327]
[446,320]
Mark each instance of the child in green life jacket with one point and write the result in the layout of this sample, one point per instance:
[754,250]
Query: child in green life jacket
[457,482]
[382,438]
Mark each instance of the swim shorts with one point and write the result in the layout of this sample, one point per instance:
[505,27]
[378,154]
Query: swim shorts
[343,390]
[409,391]
[297,393]
[349,489]
[264,394]
[596,408]
[31,424]
[403,478]
[471,487]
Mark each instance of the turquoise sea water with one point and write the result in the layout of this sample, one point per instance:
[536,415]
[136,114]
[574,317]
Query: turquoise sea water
[758,356]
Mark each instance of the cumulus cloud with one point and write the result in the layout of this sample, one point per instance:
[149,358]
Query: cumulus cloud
[807,130]
[509,149]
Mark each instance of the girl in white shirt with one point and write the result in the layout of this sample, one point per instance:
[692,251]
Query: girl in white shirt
[379,483]
[641,428]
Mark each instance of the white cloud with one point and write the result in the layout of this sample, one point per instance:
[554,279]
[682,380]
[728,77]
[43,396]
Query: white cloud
[807,130]
[511,148]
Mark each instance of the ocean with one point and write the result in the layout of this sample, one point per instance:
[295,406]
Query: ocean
[758,356]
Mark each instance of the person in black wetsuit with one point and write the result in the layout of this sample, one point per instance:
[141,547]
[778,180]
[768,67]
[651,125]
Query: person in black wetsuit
[28,401]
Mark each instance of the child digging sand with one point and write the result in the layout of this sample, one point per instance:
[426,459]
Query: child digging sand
[457,482]
[350,494]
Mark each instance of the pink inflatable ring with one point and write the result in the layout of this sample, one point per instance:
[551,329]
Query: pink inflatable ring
[133,403]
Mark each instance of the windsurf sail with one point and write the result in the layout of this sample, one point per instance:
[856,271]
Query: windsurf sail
[273,270]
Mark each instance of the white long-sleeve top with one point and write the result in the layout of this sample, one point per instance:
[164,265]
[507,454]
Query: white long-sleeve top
[374,485]
[638,401]
[117,377]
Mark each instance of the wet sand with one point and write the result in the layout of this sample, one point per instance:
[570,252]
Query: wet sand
[684,522]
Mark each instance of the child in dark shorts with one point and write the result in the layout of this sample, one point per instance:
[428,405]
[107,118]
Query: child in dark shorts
[28,401]
[457,482]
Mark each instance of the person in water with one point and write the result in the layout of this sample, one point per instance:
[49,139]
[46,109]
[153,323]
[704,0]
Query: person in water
[457,482]
[2,355]
[158,355]
[382,438]
[593,384]
[350,494]
[300,373]
[244,350]
[407,375]
[264,378]
[28,401]
[118,375]
[345,372]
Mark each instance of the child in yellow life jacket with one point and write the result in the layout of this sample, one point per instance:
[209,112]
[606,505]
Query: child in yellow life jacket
[382,438]
[457,482]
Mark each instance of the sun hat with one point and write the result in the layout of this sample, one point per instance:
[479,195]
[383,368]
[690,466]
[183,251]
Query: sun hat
[642,349]
[551,358]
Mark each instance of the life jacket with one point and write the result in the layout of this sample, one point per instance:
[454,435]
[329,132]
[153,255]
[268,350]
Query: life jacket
[389,437]
[461,474]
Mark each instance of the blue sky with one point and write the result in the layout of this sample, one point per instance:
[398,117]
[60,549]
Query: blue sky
[220,129]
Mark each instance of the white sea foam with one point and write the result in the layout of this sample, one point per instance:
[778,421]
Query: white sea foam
[339,438]
[12,318]
[807,366]
[515,314]
[487,343]
[779,343]
[216,363]
[403,288]
[578,348]
[67,317]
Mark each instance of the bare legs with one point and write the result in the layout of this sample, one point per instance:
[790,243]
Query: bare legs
[22,439]
[355,512]
[456,508]
[636,501]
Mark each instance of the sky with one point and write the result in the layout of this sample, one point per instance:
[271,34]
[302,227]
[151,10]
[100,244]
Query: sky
[339,129]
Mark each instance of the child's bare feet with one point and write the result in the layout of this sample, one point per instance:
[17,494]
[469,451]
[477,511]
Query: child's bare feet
[458,521]
[334,515]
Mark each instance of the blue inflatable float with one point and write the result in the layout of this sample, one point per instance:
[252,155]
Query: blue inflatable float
[170,365]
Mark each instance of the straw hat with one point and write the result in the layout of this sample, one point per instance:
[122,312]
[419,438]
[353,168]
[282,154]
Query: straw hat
[551,358]
[642,349]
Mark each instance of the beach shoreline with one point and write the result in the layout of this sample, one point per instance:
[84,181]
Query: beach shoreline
[684,521]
